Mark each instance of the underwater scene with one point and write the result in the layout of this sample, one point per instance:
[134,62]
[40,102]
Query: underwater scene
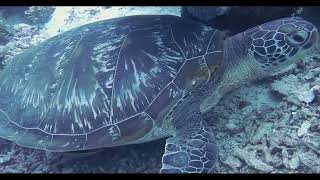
[159,89]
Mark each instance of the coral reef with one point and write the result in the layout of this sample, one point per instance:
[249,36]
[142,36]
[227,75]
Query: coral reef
[17,35]
[38,15]
[23,36]
[279,124]
[5,32]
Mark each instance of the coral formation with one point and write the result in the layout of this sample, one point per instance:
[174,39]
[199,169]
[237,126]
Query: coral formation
[38,15]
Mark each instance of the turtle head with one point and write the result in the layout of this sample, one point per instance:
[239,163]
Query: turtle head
[277,44]
[263,51]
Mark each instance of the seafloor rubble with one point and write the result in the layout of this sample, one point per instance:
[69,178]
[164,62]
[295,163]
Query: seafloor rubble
[269,126]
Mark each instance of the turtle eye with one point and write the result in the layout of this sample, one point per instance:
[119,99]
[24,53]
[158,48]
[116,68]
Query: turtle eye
[297,38]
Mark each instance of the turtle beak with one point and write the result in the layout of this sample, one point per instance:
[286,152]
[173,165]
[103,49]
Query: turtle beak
[314,42]
[316,39]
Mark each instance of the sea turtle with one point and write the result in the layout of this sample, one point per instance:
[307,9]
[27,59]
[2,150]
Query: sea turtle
[135,79]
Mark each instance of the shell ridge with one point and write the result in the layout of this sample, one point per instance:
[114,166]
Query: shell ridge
[172,36]
[115,73]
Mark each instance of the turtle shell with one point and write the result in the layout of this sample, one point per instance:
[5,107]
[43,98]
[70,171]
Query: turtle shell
[104,84]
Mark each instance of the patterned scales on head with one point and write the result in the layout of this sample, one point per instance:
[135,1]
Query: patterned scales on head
[277,41]
[104,84]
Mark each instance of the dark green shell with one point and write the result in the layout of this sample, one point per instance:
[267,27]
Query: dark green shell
[104,84]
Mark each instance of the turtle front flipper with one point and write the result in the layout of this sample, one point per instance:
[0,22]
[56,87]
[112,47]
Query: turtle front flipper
[190,151]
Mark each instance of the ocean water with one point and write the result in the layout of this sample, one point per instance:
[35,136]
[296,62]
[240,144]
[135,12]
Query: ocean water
[268,125]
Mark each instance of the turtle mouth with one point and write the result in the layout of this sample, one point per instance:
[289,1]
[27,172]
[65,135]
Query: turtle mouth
[315,50]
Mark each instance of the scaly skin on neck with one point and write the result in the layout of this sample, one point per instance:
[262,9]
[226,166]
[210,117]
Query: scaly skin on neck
[240,66]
